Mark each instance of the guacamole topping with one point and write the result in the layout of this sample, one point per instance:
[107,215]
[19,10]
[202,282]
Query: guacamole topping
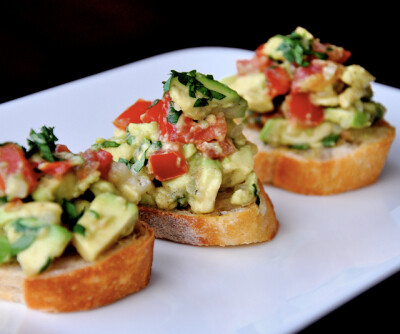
[301,93]
[187,147]
[52,200]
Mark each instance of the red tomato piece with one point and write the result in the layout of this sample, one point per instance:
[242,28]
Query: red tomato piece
[301,110]
[95,160]
[13,162]
[258,63]
[61,148]
[214,128]
[312,78]
[153,114]
[307,78]
[56,168]
[132,114]
[189,131]
[335,53]
[278,79]
[246,66]
[2,187]
[217,149]
[167,165]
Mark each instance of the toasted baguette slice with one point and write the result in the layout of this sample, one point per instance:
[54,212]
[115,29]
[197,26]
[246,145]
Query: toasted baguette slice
[228,225]
[72,284]
[330,171]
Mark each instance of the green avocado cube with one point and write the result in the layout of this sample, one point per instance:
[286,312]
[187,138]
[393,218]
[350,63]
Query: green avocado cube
[49,244]
[46,212]
[198,95]
[108,218]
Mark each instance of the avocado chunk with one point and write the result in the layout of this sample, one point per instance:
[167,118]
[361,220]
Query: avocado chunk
[108,218]
[198,95]
[272,129]
[252,87]
[208,178]
[246,192]
[5,249]
[237,167]
[36,244]
[364,115]
[46,212]
[173,193]
[279,131]
[57,188]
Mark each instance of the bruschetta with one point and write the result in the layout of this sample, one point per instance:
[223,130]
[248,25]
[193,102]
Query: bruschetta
[313,118]
[69,239]
[194,166]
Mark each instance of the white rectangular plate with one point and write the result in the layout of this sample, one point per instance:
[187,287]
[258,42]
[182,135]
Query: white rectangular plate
[328,249]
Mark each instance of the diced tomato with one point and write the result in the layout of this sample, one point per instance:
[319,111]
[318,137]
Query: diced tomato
[167,165]
[95,160]
[278,79]
[2,187]
[217,149]
[346,55]
[335,53]
[13,162]
[313,78]
[300,109]
[132,114]
[259,49]
[256,64]
[153,114]
[61,148]
[307,78]
[166,128]
[56,168]
[214,127]
[246,66]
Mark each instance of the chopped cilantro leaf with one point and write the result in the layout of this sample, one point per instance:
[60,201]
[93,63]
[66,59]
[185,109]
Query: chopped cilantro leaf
[154,103]
[194,85]
[173,115]
[201,102]
[79,229]
[294,49]
[130,139]
[255,190]
[216,95]
[109,143]
[157,144]
[5,248]
[300,146]
[331,140]
[126,162]
[167,85]
[46,265]
[321,55]
[22,243]
[95,214]
[42,143]
[139,164]
[70,215]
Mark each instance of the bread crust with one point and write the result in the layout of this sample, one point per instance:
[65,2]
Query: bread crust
[72,284]
[226,226]
[335,170]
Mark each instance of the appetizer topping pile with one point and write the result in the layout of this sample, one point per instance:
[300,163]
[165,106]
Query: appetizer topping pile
[51,198]
[185,148]
[302,95]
